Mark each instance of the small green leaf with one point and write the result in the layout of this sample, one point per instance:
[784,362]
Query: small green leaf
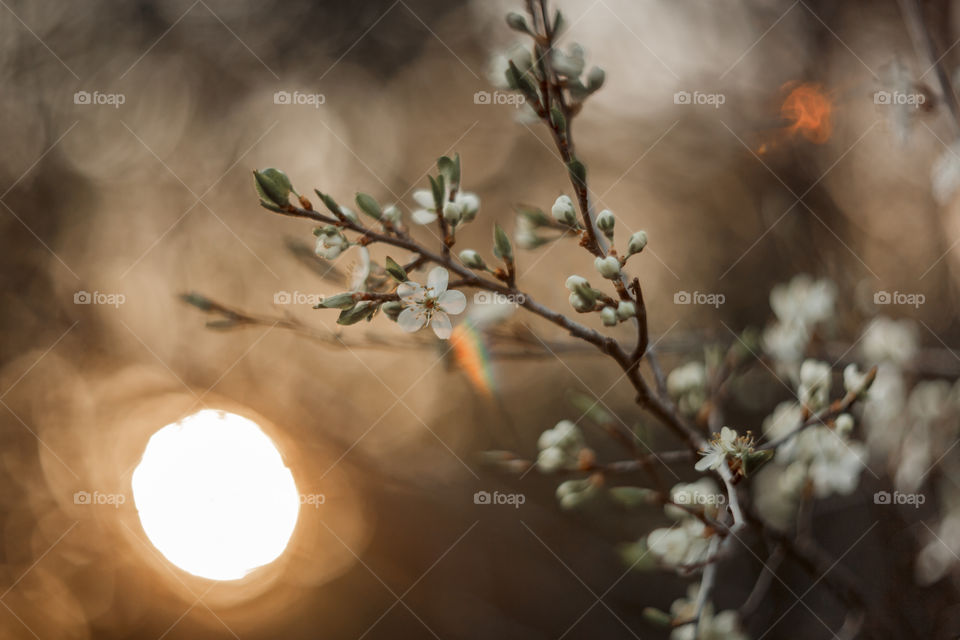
[362,311]
[534,215]
[273,186]
[395,270]
[501,243]
[450,169]
[197,300]
[559,24]
[439,195]
[338,301]
[328,202]
[369,205]
[517,22]
[556,117]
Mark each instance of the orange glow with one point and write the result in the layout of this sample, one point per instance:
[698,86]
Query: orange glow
[470,355]
[809,109]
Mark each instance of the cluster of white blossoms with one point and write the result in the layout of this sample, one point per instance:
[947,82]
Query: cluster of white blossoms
[560,447]
[799,306]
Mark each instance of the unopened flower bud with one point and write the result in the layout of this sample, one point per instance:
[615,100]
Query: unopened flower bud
[469,206]
[608,267]
[575,282]
[452,213]
[580,303]
[626,310]
[606,222]
[844,424]
[563,211]
[637,242]
[472,259]
[609,316]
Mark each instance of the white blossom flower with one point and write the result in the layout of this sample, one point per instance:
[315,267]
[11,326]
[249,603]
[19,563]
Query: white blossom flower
[890,340]
[814,389]
[465,203]
[687,385]
[686,543]
[786,342]
[717,449]
[803,300]
[430,304]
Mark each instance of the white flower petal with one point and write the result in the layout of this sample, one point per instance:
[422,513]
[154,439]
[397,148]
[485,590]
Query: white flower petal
[424,198]
[440,322]
[423,216]
[453,302]
[411,320]
[411,293]
[437,281]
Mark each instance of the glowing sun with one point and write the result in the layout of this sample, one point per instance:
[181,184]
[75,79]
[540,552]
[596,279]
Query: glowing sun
[214,495]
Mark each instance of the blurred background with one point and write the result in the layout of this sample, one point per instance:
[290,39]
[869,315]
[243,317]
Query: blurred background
[130,133]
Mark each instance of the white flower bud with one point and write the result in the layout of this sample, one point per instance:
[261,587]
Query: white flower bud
[472,259]
[551,459]
[469,205]
[626,310]
[609,316]
[844,424]
[452,213]
[563,211]
[580,303]
[637,242]
[608,267]
[606,222]
[575,282]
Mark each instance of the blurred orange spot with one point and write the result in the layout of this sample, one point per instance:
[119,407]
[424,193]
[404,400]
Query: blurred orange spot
[809,109]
